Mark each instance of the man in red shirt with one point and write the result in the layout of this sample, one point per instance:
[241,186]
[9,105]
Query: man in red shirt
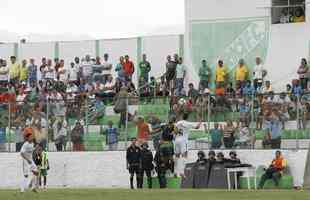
[129,68]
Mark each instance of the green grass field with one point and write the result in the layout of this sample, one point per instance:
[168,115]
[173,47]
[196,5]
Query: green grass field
[98,194]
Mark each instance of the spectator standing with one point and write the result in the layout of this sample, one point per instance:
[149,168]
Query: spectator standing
[303,73]
[299,15]
[32,70]
[119,69]
[14,70]
[221,74]
[60,133]
[145,68]
[62,72]
[23,72]
[143,130]
[4,73]
[258,73]
[273,130]
[180,75]
[216,137]
[241,73]
[170,73]
[111,137]
[49,71]
[77,137]
[204,75]
[98,70]
[121,106]
[42,68]
[107,68]
[87,69]
[129,68]
[73,72]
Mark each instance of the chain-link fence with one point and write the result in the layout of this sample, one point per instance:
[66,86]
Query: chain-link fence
[85,123]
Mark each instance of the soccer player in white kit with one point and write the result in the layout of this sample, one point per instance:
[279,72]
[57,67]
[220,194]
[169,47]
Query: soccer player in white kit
[181,143]
[29,168]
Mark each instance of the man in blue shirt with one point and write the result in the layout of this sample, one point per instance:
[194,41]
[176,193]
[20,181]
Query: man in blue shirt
[273,127]
[32,69]
[216,137]
[111,137]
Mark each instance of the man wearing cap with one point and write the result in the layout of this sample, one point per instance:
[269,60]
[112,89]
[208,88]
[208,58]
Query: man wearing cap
[133,157]
[147,165]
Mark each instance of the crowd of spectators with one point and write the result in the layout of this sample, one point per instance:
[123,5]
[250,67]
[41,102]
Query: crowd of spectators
[28,87]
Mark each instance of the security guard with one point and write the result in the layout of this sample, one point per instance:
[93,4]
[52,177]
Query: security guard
[133,157]
[147,164]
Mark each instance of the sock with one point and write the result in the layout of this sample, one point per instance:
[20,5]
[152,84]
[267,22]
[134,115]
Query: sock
[176,166]
[131,182]
[24,184]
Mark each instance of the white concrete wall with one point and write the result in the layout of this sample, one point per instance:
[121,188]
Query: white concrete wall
[107,169]
[288,43]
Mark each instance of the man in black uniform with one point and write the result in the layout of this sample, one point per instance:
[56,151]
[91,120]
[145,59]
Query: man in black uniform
[133,157]
[147,164]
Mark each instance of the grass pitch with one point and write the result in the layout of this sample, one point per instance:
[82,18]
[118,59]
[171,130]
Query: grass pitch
[98,194]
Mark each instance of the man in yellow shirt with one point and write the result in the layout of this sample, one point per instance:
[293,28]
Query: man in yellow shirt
[221,73]
[299,16]
[241,73]
[14,70]
[23,71]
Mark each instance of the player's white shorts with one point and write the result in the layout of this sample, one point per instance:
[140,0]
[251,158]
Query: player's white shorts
[28,169]
[180,146]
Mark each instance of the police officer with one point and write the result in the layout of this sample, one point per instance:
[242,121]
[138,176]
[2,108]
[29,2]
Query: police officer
[133,157]
[201,158]
[147,164]
[161,168]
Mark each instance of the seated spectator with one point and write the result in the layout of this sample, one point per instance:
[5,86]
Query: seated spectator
[220,90]
[108,89]
[248,89]
[163,88]
[296,89]
[285,16]
[107,68]
[299,15]
[267,88]
[274,171]
[244,137]
[216,137]
[192,92]
[229,134]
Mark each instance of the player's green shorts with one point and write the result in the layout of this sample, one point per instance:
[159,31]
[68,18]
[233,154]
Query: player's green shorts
[43,172]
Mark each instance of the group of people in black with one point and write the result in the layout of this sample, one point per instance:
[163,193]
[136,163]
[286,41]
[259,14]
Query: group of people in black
[140,160]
